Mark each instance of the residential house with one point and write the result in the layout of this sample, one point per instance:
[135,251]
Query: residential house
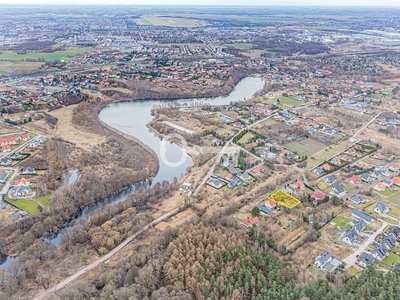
[233,170]
[5,161]
[299,185]
[387,183]
[395,230]
[330,179]
[355,179]
[380,252]
[256,171]
[24,137]
[318,195]
[379,156]
[366,260]
[383,170]
[326,167]
[322,259]
[318,171]
[28,170]
[395,167]
[338,190]
[6,148]
[357,198]
[235,183]
[216,182]
[360,215]
[270,204]
[17,155]
[396,180]
[20,191]
[34,144]
[266,211]
[250,221]
[381,208]
[350,236]
[229,176]
[3,177]
[244,176]
[42,139]
[380,186]
[365,177]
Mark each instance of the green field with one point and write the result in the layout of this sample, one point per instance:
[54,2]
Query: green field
[169,21]
[245,139]
[391,259]
[323,186]
[241,46]
[305,147]
[386,192]
[395,198]
[354,272]
[321,157]
[29,206]
[285,100]
[341,222]
[45,200]
[58,55]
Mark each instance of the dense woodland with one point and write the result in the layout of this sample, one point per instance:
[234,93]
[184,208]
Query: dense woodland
[215,262]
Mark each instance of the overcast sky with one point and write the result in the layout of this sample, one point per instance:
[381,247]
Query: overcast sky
[215,2]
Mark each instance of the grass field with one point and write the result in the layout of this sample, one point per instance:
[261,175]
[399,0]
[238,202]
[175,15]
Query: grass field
[45,201]
[386,192]
[170,22]
[241,46]
[284,199]
[305,147]
[391,259]
[267,122]
[58,55]
[324,155]
[323,186]
[395,198]
[29,206]
[341,222]
[354,272]
[285,100]
[9,68]
[245,139]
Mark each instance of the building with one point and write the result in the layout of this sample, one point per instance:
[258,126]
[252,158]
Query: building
[216,183]
[381,208]
[266,211]
[338,190]
[360,215]
[380,252]
[250,221]
[322,259]
[355,179]
[357,198]
[330,179]
[318,195]
[366,260]
[270,204]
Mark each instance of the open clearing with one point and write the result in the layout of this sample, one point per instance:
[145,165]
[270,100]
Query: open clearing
[324,155]
[341,222]
[285,100]
[29,206]
[57,55]
[305,147]
[170,22]
[284,199]
[241,46]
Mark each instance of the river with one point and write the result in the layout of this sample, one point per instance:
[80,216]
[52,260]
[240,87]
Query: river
[132,117]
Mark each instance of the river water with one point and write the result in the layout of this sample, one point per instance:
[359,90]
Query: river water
[131,118]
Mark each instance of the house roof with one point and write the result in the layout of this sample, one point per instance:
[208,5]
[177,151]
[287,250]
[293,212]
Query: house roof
[381,186]
[367,259]
[318,195]
[266,210]
[250,221]
[396,180]
[323,258]
[381,207]
[361,215]
[299,184]
[271,203]
[355,179]
[357,198]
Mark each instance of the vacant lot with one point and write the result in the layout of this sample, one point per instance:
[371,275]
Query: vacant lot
[341,222]
[284,199]
[285,100]
[246,138]
[305,147]
[323,155]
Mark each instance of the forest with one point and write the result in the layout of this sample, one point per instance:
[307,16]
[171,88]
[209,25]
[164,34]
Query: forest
[204,261]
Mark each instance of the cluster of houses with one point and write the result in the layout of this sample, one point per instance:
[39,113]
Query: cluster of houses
[327,262]
[6,144]
[234,179]
[21,188]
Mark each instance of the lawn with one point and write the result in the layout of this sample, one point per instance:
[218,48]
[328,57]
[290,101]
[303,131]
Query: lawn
[395,198]
[391,259]
[322,185]
[245,139]
[341,222]
[285,100]
[305,147]
[40,172]
[57,55]
[45,200]
[29,206]
[386,192]
[284,199]
[354,272]
[241,46]
[324,155]
[227,189]
[267,122]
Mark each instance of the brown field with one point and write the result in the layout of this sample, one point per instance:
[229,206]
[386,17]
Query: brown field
[170,22]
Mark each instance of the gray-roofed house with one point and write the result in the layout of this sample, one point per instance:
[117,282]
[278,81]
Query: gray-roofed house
[20,191]
[322,259]
[6,161]
[28,170]
[389,241]
[380,252]
[216,182]
[318,171]
[395,230]
[360,215]
[266,211]
[381,208]
[366,259]
[365,177]
[357,198]
[234,183]
[350,236]
[338,190]
[330,179]
[3,177]
[244,176]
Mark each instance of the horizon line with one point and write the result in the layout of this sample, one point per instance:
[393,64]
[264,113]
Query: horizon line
[200,5]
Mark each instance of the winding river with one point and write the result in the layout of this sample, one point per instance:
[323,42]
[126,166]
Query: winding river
[131,118]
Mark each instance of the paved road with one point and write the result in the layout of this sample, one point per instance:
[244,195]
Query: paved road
[105,257]
[352,258]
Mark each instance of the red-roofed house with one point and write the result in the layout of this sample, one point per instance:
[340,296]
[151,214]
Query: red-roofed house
[379,156]
[380,186]
[256,171]
[229,176]
[317,195]
[25,137]
[6,148]
[396,180]
[250,221]
[15,118]
[355,179]
[394,166]
[326,167]
[270,203]
[299,185]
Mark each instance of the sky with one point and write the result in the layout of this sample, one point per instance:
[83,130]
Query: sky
[214,2]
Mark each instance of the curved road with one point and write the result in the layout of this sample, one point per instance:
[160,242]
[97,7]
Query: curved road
[107,256]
